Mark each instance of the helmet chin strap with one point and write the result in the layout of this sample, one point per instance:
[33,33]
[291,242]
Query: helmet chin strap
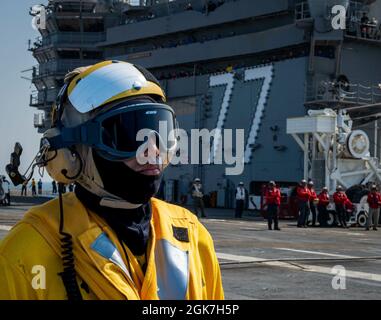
[118,204]
[92,182]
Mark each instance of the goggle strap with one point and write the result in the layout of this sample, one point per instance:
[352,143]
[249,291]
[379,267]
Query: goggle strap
[85,134]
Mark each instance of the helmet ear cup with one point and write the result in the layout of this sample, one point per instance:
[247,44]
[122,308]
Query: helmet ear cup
[62,165]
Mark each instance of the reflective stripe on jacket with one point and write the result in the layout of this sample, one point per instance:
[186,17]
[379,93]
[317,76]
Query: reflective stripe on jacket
[182,263]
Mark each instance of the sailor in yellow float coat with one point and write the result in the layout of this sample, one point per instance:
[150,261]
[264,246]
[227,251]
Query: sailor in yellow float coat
[192,272]
[179,263]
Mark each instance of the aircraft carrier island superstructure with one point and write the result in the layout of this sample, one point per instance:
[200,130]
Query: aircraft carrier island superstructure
[247,64]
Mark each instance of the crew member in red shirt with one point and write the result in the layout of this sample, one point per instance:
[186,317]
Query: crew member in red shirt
[272,201]
[303,196]
[313,199]
[322,207]
[374,201]
[340,198]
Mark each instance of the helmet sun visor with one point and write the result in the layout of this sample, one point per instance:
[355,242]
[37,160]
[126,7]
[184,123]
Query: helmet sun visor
[106,82]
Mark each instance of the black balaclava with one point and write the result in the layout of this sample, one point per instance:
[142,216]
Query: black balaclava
[132,226]
[126,183]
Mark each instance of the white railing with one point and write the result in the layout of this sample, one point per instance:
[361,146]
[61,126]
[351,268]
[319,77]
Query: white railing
[63,65]
[43,96]
[354,93]
[75,37]
[369,31]
[39,120]
[173,7]
[34,101]
[302,11]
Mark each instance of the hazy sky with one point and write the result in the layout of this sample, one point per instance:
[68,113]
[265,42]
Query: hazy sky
[16,117]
